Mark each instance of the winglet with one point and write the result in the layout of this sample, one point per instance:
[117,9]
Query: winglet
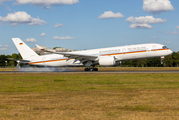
[39,47]
[44,49]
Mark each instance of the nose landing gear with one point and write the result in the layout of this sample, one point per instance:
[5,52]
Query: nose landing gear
[91,69]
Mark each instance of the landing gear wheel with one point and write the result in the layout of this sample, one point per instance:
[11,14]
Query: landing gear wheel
[91,69]
[95,69]
[86,69]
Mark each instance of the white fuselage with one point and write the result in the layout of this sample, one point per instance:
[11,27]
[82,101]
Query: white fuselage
[120,53]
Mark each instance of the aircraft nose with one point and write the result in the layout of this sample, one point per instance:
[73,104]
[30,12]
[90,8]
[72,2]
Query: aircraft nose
[170,52]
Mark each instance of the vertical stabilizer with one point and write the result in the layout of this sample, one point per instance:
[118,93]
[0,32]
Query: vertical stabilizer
[25,51]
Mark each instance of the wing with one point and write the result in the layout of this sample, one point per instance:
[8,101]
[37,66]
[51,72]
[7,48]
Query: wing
[78,56]
[87,60]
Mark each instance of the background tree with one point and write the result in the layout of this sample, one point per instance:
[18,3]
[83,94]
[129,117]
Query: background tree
[134,63]
[175,57]
[12,63]
[142,62]
[19,56]
[2,60]
[154,62]
[57,47]
[168,61]
[126,63]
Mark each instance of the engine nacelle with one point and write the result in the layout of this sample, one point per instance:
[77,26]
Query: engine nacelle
[108,61]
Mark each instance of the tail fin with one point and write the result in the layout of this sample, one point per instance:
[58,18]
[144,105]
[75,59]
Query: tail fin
[25,51]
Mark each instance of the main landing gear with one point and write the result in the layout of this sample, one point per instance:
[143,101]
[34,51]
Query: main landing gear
[91,69]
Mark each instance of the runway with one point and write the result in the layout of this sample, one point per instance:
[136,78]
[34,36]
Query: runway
[81,70]
[1,72]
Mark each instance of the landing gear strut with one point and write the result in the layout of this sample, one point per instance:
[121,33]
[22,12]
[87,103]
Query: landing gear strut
[91,69]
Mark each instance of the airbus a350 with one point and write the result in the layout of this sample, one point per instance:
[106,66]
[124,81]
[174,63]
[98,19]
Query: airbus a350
[111,56]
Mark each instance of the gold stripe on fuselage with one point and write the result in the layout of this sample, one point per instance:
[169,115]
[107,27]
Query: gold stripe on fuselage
[47,61]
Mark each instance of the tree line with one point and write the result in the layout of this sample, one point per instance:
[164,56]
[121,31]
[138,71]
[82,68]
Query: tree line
[4,62]
[168,61]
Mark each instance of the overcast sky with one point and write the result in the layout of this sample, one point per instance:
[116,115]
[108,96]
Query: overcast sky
[88,24]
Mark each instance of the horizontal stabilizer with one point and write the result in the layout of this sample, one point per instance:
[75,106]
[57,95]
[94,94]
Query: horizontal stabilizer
[21,61]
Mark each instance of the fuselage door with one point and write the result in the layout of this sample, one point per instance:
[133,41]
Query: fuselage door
[148,50]
[43,60]
[124,50]
[154,48]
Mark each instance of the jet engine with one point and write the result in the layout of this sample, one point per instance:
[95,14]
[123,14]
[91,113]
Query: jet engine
[108,61]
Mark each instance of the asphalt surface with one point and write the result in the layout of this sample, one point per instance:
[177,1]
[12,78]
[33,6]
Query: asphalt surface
[71,71]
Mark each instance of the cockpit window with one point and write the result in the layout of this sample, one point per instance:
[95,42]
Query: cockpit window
[164,47]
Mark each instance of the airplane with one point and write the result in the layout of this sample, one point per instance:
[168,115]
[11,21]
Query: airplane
[111,56]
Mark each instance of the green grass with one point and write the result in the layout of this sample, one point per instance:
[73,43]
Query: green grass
[40,82]
[80,95]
